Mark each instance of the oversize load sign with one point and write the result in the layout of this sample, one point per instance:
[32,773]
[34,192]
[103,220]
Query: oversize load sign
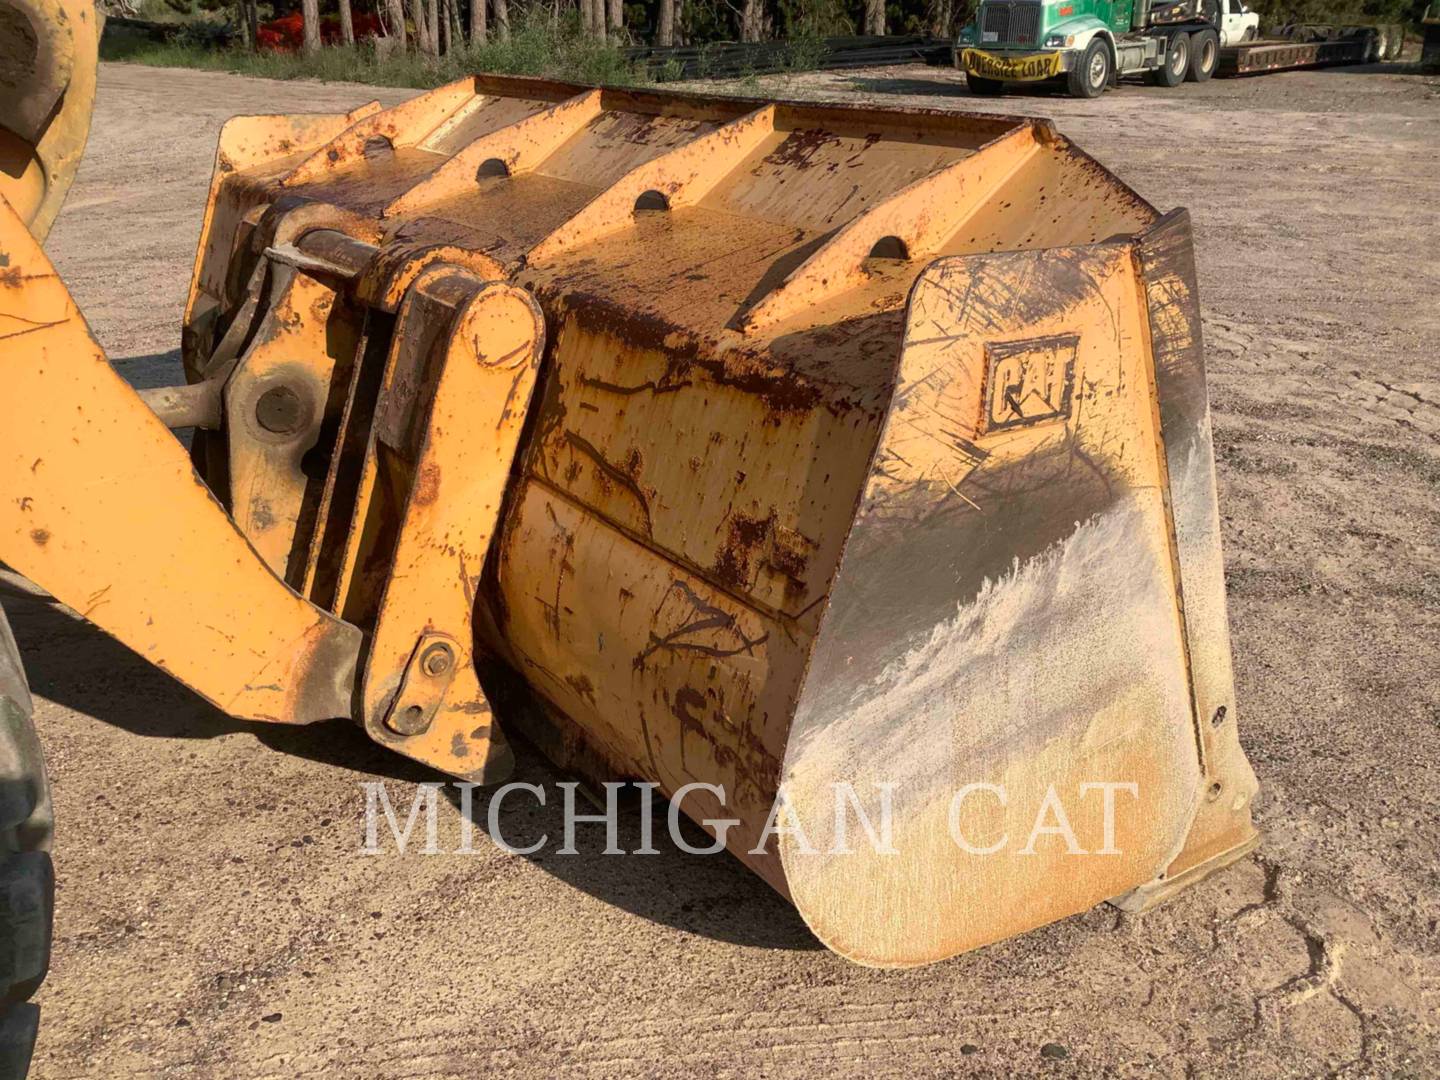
[1022,68]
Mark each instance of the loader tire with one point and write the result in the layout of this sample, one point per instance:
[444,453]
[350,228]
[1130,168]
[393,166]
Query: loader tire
[1204,55]
[1249,34]
[984,87]
[27,880]
[1089,77]
[1177,61]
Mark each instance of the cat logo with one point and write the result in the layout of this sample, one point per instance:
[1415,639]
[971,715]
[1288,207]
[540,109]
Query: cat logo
[1028,382]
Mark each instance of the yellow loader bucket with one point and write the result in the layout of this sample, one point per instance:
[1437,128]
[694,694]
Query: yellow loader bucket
[828,467]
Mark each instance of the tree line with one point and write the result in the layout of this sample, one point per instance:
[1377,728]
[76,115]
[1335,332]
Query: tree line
[436,27]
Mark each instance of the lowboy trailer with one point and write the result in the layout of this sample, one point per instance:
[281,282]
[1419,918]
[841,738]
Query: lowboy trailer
[1089,45]
[1259,57]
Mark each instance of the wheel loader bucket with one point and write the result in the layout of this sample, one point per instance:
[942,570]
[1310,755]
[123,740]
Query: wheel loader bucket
[826,466]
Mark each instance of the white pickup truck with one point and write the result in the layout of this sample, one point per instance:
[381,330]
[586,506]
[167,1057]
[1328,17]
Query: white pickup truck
[1237,23]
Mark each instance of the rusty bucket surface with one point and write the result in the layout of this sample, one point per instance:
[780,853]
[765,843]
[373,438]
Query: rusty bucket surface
[765,448]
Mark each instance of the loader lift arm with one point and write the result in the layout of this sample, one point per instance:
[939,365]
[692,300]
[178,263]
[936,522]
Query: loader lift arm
[103,506]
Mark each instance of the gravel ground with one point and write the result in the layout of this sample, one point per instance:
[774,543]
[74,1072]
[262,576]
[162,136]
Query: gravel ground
[216,919]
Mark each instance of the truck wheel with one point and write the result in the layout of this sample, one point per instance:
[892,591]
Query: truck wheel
[1372,46]
[984,87]
[1204,55]
[1177,61]
[27,881]
[1091,73]
[1249,34]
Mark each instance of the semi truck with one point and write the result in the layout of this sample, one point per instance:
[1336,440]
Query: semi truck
[1091,43]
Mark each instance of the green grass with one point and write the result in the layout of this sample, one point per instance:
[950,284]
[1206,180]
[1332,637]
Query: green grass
[536,49]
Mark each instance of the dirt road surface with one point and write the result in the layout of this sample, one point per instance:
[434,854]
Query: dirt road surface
[216,919]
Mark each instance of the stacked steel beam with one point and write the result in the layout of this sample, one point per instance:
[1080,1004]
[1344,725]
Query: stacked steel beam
[736,59]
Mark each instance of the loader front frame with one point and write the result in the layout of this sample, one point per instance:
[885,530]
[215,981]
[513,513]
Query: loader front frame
[104,508]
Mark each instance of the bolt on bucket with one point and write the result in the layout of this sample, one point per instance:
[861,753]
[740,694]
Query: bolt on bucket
[843,457]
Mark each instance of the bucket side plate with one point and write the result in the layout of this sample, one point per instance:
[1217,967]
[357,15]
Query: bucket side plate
[1006,620]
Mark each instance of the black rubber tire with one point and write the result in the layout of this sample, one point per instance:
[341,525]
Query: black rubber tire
[1177,61]
[1386,49]
[1249,34]
[984,87]
[1204,55]
[1372,46]
[27,879]
[1089,77]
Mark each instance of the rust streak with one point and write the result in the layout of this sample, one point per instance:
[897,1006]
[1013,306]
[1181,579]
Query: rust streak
[614,473]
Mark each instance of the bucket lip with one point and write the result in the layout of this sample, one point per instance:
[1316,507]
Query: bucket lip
[541,86]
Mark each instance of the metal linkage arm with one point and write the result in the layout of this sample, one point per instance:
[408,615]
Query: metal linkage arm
[100,506]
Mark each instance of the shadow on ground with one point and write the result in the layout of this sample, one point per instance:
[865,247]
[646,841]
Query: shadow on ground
[956,90]
[78,666]
[895,85]
[152,370]
[1385,67]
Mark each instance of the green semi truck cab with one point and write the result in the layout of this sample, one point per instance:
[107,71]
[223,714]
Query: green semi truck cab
[1088,43]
